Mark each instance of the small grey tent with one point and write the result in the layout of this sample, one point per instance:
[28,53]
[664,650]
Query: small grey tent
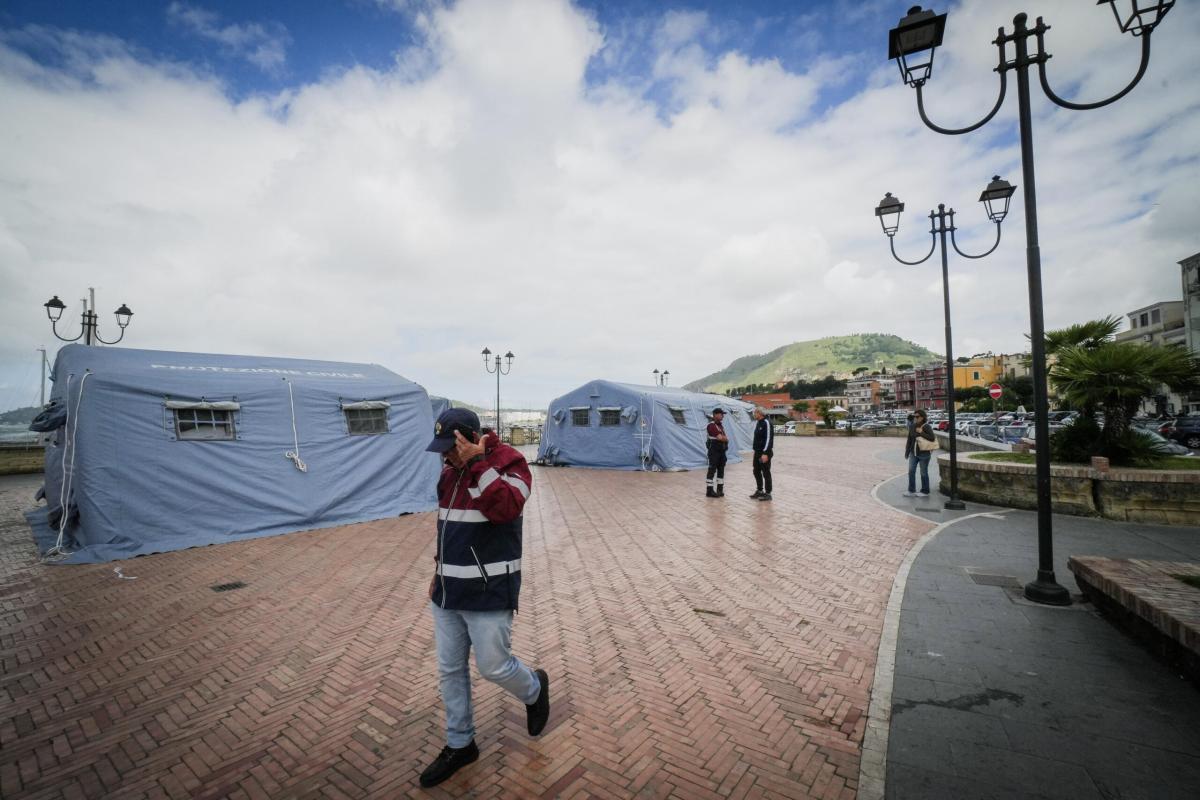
[156,451]
[624,426]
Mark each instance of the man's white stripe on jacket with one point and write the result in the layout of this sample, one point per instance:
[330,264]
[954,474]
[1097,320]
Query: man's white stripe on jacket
[472,570]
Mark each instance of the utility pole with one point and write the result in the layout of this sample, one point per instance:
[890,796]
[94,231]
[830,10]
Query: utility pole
[42,385]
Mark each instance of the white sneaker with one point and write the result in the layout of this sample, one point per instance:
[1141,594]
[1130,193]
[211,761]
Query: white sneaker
[910,494]
[924,494]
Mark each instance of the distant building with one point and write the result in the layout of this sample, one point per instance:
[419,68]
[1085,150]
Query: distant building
[1190,274]
[1158,325]
[981,370]
[1014,365]
[905,390]
[777,405]
[931,387]
[867,394]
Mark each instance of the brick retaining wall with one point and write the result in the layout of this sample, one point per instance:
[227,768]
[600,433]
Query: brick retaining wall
[1129,495]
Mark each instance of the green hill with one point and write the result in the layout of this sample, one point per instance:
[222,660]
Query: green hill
[836,355]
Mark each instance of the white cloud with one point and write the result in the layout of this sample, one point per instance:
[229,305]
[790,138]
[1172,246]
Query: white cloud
[482,193]
[264,46]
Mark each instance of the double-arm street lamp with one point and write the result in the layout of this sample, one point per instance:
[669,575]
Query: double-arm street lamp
[660,378]
[91,322]
[995,199]
[499,369]
[912,43]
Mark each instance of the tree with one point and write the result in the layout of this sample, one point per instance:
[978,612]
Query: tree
[1113,378]
[800,407]
[1088,335]
[823,411]
[900,367]
[860,370]
[962,360]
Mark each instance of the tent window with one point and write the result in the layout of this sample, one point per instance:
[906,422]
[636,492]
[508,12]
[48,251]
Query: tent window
[364,421]
[579,417]
[677,415]
[203,424]
[610,416]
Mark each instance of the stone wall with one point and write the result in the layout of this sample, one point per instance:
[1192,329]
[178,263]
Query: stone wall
[1128,495]
[22,460]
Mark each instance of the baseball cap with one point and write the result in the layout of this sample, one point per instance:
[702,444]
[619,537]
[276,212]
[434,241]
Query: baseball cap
[718,410]
[463,420]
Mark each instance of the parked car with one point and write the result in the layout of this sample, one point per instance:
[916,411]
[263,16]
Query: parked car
[1186,431]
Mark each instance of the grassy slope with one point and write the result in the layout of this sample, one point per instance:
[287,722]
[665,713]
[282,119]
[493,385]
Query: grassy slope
[817,358]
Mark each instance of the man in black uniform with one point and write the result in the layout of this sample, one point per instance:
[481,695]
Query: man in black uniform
[764,451]
[717,444]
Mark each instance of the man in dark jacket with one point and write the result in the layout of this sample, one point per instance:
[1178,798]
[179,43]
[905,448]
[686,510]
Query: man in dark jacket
[717,444]
[764,451]
[473,594]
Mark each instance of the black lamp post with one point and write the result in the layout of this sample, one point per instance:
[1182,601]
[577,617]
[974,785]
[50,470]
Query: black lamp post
[90,333]
[995,199]
[912,44]
[660,378]
[499,369]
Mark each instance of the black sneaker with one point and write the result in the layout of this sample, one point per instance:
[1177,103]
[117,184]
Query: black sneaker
[448,762]
[537,714]
[710,492]
[764,496]
[756,495]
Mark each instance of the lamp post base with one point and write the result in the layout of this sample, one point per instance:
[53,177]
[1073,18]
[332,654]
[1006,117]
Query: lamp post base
[1047,591]
[954,505]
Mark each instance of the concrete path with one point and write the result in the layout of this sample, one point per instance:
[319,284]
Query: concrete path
[996,697]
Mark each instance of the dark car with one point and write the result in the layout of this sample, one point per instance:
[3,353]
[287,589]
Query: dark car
[1186,431]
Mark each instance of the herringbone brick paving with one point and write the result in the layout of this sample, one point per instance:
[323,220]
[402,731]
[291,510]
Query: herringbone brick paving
[698,648]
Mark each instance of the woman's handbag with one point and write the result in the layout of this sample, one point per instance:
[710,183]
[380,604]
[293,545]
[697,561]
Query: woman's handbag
[926,445]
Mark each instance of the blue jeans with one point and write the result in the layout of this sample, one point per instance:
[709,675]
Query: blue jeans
[490,632]
[913,461]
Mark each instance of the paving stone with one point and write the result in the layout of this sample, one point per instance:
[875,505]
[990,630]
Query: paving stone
[318,678]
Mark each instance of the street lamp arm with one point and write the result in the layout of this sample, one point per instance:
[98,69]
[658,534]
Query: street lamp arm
[54,329]
[1088,106]
[981,255]
[118,339]
[957,131]
[932,245]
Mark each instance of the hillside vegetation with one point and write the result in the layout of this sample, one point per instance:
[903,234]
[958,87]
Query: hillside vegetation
[815,359]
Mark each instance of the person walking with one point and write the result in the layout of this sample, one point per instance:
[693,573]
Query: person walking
[764,452]
[918,455]
[718,444]
[473,594]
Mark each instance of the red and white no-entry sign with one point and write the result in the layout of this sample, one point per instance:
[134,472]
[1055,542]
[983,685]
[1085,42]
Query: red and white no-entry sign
[995,390]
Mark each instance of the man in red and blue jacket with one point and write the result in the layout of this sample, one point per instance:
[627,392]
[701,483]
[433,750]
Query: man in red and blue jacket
[474,591]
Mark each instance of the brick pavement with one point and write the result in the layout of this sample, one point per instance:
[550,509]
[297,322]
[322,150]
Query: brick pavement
[698,648]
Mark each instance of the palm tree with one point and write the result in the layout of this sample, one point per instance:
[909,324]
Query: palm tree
[1089,335]
[1098,374]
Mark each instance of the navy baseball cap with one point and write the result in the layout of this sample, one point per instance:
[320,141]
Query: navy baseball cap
[463,420]
[718,410]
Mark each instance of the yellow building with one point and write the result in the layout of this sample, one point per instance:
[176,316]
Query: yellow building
[979,371]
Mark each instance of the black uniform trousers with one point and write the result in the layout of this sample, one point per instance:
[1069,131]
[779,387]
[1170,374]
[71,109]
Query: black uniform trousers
[762,472]
[716,464]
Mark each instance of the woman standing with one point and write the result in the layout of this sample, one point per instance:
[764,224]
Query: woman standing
[918,429]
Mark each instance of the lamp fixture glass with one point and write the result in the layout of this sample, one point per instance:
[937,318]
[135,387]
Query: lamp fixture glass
[913,42]
[54,308]
[888,211]
[995,198]
[123,314]
[1138,16]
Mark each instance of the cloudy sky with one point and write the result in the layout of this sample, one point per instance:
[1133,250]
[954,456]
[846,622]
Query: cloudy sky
[603,188]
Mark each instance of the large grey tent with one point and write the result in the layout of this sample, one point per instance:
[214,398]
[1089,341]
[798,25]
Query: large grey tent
[155,451]
[625,426]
